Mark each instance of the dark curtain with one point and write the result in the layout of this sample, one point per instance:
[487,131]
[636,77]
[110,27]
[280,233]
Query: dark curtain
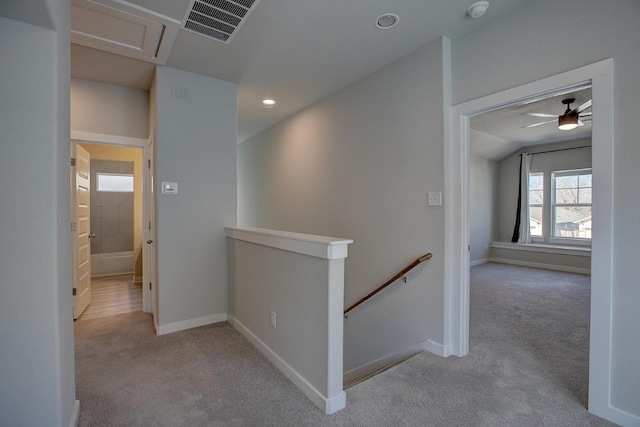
[516,229]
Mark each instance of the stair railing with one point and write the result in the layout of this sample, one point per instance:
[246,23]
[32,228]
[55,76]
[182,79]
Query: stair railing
[400,274]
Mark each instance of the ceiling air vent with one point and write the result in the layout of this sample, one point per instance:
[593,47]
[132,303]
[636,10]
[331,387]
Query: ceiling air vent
[218,19]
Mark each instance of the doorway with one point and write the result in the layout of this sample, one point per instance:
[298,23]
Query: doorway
[120,223]
[600,76]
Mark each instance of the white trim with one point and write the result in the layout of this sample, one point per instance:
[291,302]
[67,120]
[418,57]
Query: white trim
[75,414]
[479,262]
[541,265]
[101,138]
[307,244]
[398,356]
[329,405]
[543,248]
[623,418]
[190,323]
[456,256]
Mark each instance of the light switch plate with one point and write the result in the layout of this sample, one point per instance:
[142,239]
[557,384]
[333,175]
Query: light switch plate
[169,188]
[434,198]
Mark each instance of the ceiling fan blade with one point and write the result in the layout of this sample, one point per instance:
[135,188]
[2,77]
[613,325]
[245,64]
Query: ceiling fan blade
[586,114]
[580,123]
[584,106]
[539,115]
[538,124]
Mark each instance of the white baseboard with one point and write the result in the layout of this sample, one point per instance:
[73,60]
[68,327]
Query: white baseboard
[623,418]
[479,261]
[111,273]
[542,265]
[396,357]
[329,405]
[190,323]
[75,414]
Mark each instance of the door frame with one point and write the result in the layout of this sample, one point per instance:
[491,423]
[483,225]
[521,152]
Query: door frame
[457,263]
[125,141]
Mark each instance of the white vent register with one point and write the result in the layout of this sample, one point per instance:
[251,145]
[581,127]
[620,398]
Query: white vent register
[218,19]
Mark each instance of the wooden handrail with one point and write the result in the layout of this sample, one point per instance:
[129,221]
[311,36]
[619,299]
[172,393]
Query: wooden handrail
[390,281]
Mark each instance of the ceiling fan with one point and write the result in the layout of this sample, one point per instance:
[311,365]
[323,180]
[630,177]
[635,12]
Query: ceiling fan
[570,119]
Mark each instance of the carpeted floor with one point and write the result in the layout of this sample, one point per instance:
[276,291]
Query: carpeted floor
[527,367]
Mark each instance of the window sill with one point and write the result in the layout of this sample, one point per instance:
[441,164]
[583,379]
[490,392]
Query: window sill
[545,248]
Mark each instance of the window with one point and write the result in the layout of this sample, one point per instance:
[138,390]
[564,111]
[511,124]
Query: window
[114,182]
[536,203]
[571,204]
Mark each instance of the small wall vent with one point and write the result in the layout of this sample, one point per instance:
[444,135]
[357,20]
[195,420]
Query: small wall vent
[218,19]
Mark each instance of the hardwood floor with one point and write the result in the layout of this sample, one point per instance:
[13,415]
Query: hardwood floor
[113,295]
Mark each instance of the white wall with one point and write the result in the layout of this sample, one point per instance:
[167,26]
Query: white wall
[109,109]
[359,165]
[509,172]
[483,198]
[195,147]
[36,319]
[544,38]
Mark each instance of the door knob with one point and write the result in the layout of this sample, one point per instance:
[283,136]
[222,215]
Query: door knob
[149,242]
[92,235]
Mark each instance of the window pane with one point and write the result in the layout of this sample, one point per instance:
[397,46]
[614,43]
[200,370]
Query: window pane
[114,182]
[535,221]
[535,197]
[564,197]
[584,195]
[567,181]
[585,180]
[535,182]
[574,221]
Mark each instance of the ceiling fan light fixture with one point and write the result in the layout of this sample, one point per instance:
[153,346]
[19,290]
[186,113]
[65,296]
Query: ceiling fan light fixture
[568,121]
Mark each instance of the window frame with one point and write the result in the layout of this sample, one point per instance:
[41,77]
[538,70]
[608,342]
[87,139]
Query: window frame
[554,205]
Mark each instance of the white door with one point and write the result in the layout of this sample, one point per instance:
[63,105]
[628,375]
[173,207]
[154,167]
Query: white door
[149,295]
[81,248]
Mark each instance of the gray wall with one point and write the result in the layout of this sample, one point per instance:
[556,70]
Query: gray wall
[36,318]
[509,171]
[111,212]
[547,37]
[109,109]
[483,198]
[195,147]
[359,165]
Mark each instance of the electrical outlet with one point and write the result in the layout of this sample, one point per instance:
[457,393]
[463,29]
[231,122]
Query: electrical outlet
[273,319]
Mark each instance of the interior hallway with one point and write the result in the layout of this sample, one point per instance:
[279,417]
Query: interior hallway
[527,366]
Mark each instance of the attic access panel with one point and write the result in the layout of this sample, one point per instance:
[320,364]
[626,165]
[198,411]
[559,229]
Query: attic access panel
[218,19]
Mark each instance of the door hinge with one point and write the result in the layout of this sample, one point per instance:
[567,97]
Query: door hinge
[149,285]
[73,161]
[469,248]
[149,163]
[74,292]
[73,226]
[149,225]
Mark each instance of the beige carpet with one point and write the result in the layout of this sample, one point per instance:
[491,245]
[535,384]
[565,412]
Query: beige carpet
[527,366]
[113,295]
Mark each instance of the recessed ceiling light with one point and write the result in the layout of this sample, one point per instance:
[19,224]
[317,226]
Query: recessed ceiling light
[387,20]
[478,9]
[269,103]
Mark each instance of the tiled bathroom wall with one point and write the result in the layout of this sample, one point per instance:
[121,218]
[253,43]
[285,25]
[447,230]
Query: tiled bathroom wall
[111,213]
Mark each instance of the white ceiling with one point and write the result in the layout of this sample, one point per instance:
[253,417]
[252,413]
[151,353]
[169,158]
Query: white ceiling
[499,133]
[296,51]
